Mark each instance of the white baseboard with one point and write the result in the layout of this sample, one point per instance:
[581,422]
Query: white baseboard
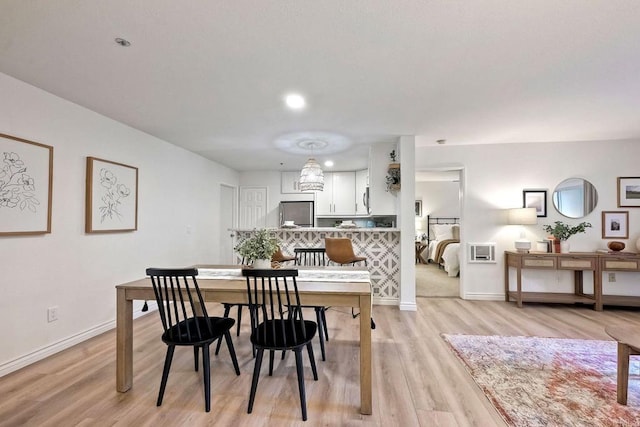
[407,306]
[41,353]
[385,301]
[483,297]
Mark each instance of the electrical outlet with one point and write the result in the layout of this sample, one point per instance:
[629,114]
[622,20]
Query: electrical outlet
[52,314]
[612,277]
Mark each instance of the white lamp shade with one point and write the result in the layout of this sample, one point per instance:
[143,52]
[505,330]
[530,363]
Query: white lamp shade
[311,176]
[523,216]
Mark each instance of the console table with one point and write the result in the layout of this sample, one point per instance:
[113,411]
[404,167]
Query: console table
[578,262]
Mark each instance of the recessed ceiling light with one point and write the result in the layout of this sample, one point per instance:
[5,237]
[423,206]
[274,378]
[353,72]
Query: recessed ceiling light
[328,163]
[123,42]
[295,101]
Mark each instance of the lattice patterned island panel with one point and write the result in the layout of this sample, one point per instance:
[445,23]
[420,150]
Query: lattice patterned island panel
[380,246]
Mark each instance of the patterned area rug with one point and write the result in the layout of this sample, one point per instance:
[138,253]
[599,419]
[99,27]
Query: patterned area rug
[550,381]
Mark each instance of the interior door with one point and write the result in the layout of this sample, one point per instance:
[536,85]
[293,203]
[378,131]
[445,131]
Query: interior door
[253,207]
[227,214]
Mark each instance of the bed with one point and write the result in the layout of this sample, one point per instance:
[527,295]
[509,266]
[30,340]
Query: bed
[443,243]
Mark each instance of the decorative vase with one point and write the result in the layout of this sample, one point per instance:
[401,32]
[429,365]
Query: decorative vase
[262,264]
[564,246]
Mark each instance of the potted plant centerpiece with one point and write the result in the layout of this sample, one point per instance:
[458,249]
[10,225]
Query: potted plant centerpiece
[259,248]
[561,232]
[393,173]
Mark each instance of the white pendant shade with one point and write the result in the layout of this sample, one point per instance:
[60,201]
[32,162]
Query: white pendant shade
[311,176]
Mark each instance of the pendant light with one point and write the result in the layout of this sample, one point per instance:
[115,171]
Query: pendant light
[311,176]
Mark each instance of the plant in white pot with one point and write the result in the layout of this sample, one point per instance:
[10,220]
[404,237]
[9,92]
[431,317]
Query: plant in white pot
[561,232]
[259,248]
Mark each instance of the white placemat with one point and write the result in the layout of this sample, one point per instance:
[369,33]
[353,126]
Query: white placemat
[303,275]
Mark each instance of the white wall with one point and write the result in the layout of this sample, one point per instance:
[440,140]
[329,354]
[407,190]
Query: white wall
[495,176]
[272,181]
[439,199]
[76,271]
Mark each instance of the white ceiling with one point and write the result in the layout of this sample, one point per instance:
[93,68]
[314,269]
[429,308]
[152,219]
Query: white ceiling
[210,75]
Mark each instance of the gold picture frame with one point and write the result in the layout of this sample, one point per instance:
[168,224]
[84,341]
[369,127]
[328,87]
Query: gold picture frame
[26,186]
[111,197]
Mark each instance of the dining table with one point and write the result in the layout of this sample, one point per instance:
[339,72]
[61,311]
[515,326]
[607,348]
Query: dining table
[335,286]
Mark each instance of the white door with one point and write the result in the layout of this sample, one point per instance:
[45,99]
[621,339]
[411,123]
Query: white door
[253,207]
[227,214]
[344,193]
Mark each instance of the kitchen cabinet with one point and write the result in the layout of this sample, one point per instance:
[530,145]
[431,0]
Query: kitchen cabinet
[290,182]
[338,196]
[362,195]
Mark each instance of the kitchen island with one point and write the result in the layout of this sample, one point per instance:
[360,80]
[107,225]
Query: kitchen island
[381,246]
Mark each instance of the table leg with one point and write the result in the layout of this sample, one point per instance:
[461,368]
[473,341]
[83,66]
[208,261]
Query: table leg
[506,278]
[623,372]
[366,404]
[124,342]
[519,286]
[597,289]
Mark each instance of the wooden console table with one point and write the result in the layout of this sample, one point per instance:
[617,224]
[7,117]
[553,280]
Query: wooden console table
[578,262]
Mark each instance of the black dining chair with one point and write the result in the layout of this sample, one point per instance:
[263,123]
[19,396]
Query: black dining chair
[278,258]
[277,323]
[315,257]
[186,323]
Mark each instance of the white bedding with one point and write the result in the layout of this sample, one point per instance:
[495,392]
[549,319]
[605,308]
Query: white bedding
[451,258]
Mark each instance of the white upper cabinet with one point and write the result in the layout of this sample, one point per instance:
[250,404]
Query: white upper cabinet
[362,178]
[290,182]
[338,196]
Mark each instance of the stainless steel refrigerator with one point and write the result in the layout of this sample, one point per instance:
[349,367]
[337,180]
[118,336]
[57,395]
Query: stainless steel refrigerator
[301,213]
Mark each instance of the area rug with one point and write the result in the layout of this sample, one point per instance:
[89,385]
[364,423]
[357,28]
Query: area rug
[550,381]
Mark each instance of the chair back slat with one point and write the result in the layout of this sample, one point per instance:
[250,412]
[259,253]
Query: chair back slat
[274,306]
[180,304]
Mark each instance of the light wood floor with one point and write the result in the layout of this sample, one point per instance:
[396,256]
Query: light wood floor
[417,380]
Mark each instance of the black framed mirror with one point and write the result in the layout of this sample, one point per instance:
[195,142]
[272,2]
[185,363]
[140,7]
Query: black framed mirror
[575,198]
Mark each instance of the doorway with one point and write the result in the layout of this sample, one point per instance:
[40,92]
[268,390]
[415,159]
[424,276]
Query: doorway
[228,209]
[440,194]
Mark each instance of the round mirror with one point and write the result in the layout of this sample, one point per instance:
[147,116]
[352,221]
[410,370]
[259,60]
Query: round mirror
[575,197]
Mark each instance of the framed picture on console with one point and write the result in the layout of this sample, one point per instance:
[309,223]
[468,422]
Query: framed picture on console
[535,199]
[628,192]
[615,225]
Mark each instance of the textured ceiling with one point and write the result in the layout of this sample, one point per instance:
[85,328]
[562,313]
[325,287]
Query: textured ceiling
[210,75]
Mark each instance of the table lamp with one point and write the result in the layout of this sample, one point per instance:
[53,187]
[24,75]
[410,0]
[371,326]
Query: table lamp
[523,216]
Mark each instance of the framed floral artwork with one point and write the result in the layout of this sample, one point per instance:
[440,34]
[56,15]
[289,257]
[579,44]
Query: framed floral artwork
[628,192]
[26,186]
[535,199]
[615,225]
[111,197]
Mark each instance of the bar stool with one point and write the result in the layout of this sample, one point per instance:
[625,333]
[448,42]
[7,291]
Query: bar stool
[340,251]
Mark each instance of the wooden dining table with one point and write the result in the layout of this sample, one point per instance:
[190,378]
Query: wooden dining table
[318,286]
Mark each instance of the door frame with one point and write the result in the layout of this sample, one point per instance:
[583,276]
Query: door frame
[461,201]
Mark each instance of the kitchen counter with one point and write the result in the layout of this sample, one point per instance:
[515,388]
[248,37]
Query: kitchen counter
[381,247]
[359,229]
